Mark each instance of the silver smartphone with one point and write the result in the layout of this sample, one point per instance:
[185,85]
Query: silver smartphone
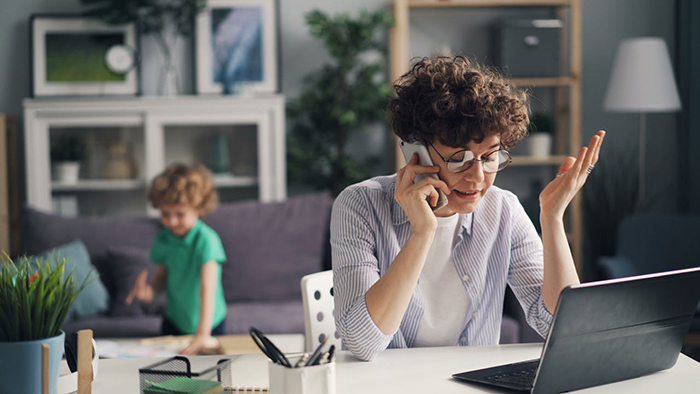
[424,159]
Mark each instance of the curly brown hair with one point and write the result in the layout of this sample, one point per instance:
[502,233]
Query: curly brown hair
[457,101]
[187,185]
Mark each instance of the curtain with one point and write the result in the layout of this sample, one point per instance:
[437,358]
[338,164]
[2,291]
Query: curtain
[688,71]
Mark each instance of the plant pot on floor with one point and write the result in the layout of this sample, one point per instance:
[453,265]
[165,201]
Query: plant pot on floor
[66,171]
[21,365]
[539,144]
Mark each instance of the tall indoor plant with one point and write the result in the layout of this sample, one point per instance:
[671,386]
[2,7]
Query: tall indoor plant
[166,20]
[35,296]
[343,97]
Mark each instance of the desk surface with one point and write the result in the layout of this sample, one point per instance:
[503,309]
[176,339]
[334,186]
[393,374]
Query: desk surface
[418,370]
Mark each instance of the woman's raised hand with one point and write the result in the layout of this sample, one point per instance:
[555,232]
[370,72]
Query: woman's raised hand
[572,175]
[413,196]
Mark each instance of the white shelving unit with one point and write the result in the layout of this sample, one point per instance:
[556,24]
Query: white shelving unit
[159,131]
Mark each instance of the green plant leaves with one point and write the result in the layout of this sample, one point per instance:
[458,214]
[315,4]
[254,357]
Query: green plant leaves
[35,298]
[339,100]
[150,14]
[68,148]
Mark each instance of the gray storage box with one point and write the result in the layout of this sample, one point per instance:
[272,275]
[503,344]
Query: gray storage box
[527,48]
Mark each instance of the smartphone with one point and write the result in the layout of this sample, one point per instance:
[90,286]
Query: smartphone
[424,159]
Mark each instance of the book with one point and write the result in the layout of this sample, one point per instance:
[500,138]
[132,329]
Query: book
[181,385]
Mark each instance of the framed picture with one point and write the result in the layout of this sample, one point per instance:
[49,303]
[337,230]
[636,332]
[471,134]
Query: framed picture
[237,47]
[78,56]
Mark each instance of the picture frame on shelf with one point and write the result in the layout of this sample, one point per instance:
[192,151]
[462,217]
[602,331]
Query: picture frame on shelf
[236,47]
[74,55]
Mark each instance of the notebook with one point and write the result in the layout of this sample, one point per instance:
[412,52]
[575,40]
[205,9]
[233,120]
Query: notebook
[181,385]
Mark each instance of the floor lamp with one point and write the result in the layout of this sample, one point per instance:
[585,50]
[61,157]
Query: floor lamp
[641,82]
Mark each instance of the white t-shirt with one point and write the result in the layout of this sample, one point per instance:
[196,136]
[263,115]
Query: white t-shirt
[447,303]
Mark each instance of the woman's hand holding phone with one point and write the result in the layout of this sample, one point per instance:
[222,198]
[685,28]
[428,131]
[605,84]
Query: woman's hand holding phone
[414,197]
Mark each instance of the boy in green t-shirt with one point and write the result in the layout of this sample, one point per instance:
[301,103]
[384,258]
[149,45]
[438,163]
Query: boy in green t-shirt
[189,255]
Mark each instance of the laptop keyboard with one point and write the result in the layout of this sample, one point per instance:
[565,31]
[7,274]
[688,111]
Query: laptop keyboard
[524,376]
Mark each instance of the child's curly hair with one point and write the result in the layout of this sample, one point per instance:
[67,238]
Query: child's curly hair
[457,101]
[183,184]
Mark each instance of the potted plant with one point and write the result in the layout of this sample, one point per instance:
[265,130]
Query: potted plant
[67,152]
[340,100]
[539,141]
[35,296]
[167,21]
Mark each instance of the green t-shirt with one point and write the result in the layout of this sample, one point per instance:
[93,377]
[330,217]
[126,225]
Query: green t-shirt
[183,257]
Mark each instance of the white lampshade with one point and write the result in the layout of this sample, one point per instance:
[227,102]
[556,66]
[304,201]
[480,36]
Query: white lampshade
[642,78]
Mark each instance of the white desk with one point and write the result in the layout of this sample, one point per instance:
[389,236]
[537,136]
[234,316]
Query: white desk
[420,370]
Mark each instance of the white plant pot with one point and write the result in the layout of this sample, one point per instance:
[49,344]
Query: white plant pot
[539,144]
[66,171]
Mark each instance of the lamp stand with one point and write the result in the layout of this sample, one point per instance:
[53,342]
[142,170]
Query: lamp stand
[642,145]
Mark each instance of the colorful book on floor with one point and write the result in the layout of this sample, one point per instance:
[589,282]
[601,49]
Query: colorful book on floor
[182,385]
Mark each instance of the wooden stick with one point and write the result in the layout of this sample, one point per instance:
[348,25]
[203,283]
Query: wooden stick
[44,368]
[85,362]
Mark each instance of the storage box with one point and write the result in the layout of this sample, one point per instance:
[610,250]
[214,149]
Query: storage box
[527,48]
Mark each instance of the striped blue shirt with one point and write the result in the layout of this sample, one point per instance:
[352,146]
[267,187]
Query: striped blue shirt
[497,246]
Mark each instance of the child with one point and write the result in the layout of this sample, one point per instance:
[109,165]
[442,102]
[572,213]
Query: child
[188,254]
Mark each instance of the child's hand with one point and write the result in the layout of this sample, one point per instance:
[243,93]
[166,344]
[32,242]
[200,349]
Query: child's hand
[142,290]
[199,343]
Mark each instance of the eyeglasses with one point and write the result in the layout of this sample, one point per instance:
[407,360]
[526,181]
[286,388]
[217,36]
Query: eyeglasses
[464,159]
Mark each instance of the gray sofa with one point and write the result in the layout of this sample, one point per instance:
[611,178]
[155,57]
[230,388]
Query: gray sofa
[269,248]
[655,242]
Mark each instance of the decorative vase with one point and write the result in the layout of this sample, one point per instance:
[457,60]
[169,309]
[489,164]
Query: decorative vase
[539,144]
[66,171]
[21,365]
[169,81]
[118,164]
[219,157]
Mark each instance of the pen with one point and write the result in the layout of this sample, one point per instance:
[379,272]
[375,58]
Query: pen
[316,354]
[331,353]
[301,360]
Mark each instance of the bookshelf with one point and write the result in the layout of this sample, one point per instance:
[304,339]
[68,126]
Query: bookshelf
[567,86]
[158,132]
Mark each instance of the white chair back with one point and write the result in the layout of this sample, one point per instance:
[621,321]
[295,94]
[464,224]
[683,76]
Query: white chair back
[317,295]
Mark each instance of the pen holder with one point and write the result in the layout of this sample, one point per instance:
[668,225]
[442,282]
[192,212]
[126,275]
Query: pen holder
[317,379]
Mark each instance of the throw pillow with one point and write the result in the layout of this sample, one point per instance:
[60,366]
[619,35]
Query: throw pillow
[125,265]
[44,231]
[94,299]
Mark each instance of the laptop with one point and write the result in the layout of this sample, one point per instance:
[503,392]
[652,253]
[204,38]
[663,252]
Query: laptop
[604,332]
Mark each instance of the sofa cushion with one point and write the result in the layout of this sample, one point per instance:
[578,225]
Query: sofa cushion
[42,231]
[279,317]
[94,299]
[125,265]
[271,246]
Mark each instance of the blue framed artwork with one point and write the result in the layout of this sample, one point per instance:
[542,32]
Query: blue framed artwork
[236,47]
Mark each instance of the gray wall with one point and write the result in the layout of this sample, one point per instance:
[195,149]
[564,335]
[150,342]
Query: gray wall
[14,45]
[605,23]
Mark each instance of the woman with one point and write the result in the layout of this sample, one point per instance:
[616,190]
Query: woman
[406,276]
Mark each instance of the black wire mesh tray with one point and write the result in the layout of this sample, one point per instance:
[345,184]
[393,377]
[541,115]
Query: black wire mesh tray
[179,366]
